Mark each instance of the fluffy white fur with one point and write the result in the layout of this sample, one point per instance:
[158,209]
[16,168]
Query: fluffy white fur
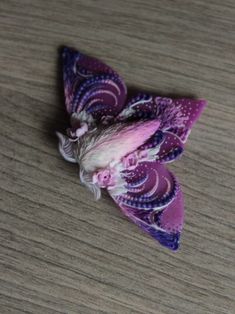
[97,149]
[105,147]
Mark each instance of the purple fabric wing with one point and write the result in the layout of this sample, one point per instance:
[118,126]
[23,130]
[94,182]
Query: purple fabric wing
[187,112]
[91,86]
[154,202]
[176,115]
[168,146]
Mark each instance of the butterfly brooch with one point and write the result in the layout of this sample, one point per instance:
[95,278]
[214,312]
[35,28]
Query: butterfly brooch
[122,143]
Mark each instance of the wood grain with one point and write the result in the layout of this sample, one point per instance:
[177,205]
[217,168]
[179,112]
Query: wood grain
[61,252]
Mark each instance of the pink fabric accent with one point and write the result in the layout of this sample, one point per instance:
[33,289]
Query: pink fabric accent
[104,178]
[130,161]
[82,130]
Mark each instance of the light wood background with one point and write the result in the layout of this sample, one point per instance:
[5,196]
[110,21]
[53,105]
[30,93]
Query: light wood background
[61,252]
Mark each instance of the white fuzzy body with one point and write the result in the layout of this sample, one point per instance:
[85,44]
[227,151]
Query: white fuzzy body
[99,148]
[105,147]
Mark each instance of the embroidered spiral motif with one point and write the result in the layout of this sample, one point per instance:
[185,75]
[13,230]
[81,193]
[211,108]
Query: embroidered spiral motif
[91,86]
[98,94]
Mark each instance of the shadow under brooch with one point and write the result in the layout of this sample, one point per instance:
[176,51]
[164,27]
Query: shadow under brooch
[123,142]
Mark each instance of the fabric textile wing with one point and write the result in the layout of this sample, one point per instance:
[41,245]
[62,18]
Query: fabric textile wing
[177,116]
[153,200]
[161,212]
[91,86]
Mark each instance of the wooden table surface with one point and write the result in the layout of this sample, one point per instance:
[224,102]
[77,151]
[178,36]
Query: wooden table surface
[61,252]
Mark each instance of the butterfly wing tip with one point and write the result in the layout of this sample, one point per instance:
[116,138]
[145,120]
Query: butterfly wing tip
[169,240]
[176,244]
[175,247]
[202,103]
[67,51]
